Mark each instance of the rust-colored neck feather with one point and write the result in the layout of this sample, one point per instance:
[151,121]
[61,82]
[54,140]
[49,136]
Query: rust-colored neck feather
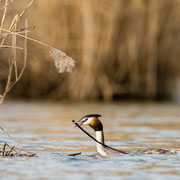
[96,124]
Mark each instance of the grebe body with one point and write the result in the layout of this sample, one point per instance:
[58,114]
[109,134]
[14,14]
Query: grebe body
[93,121]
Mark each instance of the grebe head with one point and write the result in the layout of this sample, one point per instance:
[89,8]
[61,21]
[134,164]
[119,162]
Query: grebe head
[92,120]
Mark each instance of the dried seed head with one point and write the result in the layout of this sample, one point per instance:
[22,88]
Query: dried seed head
[62,61]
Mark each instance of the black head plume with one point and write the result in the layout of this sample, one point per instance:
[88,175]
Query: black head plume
[91,115]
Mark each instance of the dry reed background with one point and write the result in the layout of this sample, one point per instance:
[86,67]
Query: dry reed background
[122,48]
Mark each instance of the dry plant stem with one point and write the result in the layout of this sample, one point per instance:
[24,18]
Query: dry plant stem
[7,5]
[20,149]
[4,148]
[9,135]
[5,34]
[25,60]
[6,46]
[15,151]
[20,35]
[17,19]
[4,15]
[8,82]
[9,85]
[14,51]
[62,61]
[4,38]
[25,52]
[19,31]
[12,62]
[8,153]
[24,29]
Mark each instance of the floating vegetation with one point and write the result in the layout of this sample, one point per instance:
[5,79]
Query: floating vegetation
[7,150]
[75,154]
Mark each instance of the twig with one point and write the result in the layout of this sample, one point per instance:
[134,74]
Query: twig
[20,35]
[5,34]
[8,153]
[15,151]
[9,85]
[21,149]
[4,148]
[7,46]
[24,29]
[14,50]
[74,154]
[19,31]
[9,135]
[16,21]
[25,58]
[4,15]
[12,62]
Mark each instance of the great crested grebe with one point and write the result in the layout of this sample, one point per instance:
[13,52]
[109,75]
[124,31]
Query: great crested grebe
[93,121]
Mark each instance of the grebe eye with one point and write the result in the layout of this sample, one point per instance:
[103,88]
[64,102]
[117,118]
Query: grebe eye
[86,119]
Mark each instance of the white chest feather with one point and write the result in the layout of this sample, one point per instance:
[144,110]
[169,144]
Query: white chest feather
[100,138]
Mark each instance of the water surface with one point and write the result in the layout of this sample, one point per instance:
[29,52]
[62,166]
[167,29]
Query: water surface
[47,130]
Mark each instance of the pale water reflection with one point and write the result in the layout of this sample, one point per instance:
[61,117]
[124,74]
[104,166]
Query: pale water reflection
[46,129]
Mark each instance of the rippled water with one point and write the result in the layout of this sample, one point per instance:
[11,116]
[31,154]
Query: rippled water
[46,129]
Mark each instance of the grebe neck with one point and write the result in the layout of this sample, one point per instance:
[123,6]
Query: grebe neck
[100,138]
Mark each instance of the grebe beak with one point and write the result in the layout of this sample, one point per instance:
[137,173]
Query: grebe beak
[81,121]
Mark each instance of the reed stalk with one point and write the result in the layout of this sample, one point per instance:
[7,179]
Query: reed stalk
[124,49]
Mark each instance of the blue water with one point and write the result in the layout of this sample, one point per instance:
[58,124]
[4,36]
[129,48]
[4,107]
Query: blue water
[46,129]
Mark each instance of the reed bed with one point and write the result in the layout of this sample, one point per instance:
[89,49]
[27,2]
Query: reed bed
[123,49]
